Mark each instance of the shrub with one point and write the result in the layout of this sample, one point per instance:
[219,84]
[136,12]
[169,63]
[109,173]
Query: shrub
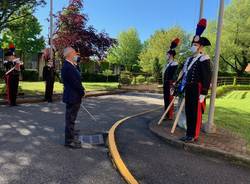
[125,78]
[222,90]
[151,79]
[107,73]
[104,65]
[231,74]
[140,79]
[136,68]
[2,72]
[30,75]
[91,77]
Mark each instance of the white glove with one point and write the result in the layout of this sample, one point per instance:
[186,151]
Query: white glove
[202,98]
[17,60]
[171,91]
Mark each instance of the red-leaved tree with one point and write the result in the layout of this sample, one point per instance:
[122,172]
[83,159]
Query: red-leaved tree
[71,30]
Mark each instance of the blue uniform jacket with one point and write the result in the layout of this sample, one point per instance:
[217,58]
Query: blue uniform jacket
[73,89]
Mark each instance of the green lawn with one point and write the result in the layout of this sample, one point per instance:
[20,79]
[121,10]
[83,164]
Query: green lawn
[38,87]
[233,113]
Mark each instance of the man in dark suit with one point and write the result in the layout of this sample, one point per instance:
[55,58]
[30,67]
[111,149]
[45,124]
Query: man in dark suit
[72,95]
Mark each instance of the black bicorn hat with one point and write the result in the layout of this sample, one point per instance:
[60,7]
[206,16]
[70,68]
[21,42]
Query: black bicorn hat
[201,26]
[9,53]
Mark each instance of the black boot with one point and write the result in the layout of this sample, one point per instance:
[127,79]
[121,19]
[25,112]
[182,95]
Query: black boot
[76,144]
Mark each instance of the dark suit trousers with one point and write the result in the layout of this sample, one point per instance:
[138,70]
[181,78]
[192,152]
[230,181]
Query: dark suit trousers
[70,117]
[49,90]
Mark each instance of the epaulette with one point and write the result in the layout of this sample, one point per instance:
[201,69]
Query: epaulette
[174,63]
[204,57]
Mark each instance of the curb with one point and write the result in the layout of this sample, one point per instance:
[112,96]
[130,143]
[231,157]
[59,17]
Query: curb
[143,90]
[114,153]
[211,152]
[57,97]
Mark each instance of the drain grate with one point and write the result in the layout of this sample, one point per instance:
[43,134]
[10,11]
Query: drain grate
[96,139]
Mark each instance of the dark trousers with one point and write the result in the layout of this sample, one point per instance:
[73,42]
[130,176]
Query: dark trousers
[168,98]
[49,90]
[193,109]
[12,82]
[70,117]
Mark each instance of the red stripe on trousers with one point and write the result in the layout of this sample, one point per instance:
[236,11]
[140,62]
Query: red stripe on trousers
[200,109]
[171,97]
[7,80]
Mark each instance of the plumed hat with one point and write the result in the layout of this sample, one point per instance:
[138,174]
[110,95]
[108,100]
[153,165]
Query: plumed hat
[173,45]
[11,50]
[201,26]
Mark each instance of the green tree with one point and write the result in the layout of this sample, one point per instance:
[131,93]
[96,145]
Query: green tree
[157,70]
[235,42]
[157,46]
[107,73]
[10,7]
[72,30]
[127,49]
[25,33]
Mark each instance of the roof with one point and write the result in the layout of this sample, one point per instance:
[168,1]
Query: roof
[248,68]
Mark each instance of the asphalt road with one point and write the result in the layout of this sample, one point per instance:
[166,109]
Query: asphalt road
[31,150]
[152,161]
[31,138]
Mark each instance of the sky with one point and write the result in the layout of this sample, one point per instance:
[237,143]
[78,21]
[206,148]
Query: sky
[115,16]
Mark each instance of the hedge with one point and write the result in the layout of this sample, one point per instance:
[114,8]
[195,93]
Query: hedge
[30,75]
[222,90]
[231,74]
[89,77]
[1,75]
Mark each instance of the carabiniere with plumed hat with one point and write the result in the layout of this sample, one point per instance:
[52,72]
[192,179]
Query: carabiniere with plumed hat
[195,83]
[13,66]
[169,76]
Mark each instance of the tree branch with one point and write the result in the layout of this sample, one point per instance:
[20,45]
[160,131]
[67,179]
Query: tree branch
[228,62]
[19,17]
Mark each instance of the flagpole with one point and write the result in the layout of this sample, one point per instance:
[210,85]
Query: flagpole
[51,29]
[210,127]
[201,9]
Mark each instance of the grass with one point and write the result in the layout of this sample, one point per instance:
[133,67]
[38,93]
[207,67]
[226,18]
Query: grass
[233,113]
[232,110]
[38,87]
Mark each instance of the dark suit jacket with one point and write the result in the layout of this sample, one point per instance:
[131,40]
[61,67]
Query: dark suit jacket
[49,74]
[73,89]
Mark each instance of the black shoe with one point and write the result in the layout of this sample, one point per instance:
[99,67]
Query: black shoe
[74,145]
[183,138]
[190,139]
[13,105]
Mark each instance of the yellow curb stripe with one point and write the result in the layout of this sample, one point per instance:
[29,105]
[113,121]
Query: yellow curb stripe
[129,178]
